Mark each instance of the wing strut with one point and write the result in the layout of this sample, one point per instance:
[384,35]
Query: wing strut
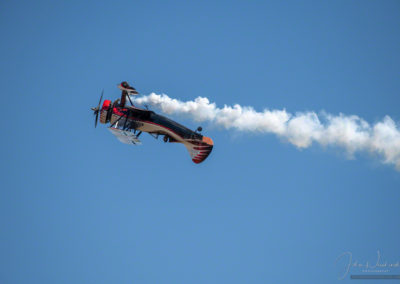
[115,122]
[129,98]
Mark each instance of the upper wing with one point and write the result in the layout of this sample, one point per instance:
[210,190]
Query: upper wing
[126,137]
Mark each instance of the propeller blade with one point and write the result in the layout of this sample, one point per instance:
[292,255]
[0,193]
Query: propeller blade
[97,109]
[97,116]
[101,97]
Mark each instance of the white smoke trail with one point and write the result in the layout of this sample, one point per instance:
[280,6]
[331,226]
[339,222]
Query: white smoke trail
[301,129]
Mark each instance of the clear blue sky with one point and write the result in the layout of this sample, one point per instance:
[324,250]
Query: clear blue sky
[77,206]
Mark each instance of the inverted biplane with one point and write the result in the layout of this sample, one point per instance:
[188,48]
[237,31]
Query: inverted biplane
[128,122]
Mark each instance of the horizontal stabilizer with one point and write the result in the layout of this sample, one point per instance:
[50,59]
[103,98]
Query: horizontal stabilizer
[126,137]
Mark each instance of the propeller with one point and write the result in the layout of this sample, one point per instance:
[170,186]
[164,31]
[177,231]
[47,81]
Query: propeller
[96,109]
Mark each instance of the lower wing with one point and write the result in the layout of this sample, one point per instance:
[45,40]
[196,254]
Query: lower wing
[126,137]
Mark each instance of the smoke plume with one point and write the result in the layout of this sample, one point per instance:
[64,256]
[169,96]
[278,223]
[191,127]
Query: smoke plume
[349,132]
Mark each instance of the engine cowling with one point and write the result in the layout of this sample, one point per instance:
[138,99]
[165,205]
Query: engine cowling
[104,116]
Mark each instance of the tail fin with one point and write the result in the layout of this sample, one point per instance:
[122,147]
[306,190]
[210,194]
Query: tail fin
[199,150]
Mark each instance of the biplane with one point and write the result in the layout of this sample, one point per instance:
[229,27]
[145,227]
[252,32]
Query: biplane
[127,123]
